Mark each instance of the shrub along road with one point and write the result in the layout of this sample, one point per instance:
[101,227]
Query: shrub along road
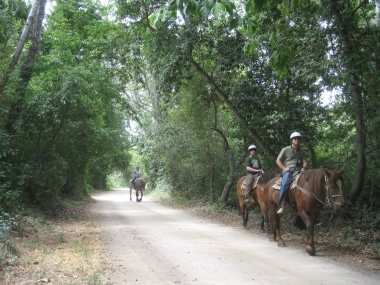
[150,243]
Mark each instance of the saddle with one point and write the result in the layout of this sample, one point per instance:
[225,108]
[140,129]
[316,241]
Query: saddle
[254,185]
[293,185]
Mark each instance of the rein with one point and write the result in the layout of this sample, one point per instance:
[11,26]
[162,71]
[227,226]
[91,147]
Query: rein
[329,198]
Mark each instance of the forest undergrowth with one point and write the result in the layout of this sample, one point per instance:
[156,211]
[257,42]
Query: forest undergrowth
[64,248]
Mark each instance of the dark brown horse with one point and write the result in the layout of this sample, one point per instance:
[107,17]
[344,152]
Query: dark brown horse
[139,187]
[315,190]
[240,191]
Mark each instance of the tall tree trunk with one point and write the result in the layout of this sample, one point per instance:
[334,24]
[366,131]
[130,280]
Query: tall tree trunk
[233,167]
[26,70]
[350,50]
[20,45]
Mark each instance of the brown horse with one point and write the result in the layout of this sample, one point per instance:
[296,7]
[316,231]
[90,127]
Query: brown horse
[139,187]
[315,190]
[240,191]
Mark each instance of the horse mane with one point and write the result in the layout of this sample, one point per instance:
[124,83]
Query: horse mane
[315,176]
[266,177]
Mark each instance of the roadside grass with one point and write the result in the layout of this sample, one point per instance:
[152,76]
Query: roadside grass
[67,249]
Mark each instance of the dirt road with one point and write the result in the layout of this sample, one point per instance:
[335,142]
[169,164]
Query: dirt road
[149,243]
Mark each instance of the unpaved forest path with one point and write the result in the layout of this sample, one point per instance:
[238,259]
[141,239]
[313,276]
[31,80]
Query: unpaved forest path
[149,243]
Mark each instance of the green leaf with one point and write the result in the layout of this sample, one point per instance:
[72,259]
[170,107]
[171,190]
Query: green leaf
[278,61]
[235,22]
[203,10]
[176,4]
[154,17]
[210,4]
[191,7]
[273,39]
[295,3]
[249,25]
[166,14]
[259,4]
[248,5]
[250,47]
[217,9]
[230,7]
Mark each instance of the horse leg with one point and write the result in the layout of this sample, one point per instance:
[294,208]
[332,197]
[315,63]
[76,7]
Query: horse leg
[130,193]
[272,236]
[266,218]
[245,217]
[262,224]
[268,221]
[275,219]
[309,221]
[138,195]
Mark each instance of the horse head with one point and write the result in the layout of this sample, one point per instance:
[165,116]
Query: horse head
[334,188]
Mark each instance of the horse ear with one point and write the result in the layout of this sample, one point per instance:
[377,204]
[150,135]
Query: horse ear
[327,173]
[342,170]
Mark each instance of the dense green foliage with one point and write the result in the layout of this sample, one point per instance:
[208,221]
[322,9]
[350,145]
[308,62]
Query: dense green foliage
[69,132]
[198,81]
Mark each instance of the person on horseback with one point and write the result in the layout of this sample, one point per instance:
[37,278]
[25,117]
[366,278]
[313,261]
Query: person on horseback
[291,159]
[253,166]
[136,174]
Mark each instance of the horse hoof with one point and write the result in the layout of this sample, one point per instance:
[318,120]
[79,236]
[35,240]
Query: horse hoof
[281,245]
[310,251]
[262,230]
[272,239]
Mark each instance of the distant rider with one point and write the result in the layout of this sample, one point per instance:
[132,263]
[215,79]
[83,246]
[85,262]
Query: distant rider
[136,174]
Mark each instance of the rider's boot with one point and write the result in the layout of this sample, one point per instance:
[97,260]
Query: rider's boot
[247,198]
[282,208]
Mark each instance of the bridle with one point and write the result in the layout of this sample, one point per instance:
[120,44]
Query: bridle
[330,198]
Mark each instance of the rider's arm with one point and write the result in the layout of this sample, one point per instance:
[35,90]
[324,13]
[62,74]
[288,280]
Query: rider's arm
[252,169]
[281,165]
[304,165]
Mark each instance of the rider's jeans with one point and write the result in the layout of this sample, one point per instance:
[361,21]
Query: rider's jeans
[286,180]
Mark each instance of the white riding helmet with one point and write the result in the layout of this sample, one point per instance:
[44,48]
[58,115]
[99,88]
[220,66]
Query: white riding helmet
[295,135]
[251,147]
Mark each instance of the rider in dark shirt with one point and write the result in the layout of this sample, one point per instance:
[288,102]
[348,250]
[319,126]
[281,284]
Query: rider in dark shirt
[253,166]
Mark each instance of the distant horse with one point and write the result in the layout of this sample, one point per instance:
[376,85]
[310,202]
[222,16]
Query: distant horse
[139,187]
[240,191]
[315,190]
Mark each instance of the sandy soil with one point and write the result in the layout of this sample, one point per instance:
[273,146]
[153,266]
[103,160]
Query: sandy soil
[151,243]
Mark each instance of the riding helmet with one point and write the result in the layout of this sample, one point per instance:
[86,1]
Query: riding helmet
[295,135]
[252,147]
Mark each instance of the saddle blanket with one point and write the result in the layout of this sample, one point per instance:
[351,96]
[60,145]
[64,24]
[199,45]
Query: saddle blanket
[244,185]
[294,183]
